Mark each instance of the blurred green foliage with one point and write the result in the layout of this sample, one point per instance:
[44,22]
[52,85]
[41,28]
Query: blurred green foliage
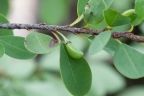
[4,7]
[54,11]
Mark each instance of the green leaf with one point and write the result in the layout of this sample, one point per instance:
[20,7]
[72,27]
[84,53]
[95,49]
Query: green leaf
[107,2]
[99,26]
[14,47]
[80,6]
[114,18]
[136,22]
[54,11]
[99,42]
[133,17]
[4,32]
[2,50]
[93,13]
[111,46]
[39,43]
[4,6]
[132,14]
[75,73]
[129,61]
[139,9]
[128,12]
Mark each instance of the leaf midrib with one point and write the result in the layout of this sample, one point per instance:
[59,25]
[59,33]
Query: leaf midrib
[13,46]
[114,20]
[130,61]
[104,3]
[71,70]
[99,39]
[40,43]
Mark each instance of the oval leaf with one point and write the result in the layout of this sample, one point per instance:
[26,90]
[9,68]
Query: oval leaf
[129,61]
[14,47]
[132,14]
[99,42]
[113,18]
[2,50]
[75,73]
[4,32]
[93,13]
[111,46]
[136,22]
[134,19]
[139,9]
[80,6]
[39,43]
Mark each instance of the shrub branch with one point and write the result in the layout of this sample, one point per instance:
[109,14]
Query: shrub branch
[73,30]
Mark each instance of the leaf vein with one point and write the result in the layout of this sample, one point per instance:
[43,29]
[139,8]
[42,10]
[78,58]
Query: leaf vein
[130,61]
[72,72]
[104,3]
[114,20]
[14,46]
[40,43]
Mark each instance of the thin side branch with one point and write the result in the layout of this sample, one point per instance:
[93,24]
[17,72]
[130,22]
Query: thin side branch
[70,29]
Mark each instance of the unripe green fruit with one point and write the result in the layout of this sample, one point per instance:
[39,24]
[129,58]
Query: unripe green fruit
[128,12]
[73,52]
